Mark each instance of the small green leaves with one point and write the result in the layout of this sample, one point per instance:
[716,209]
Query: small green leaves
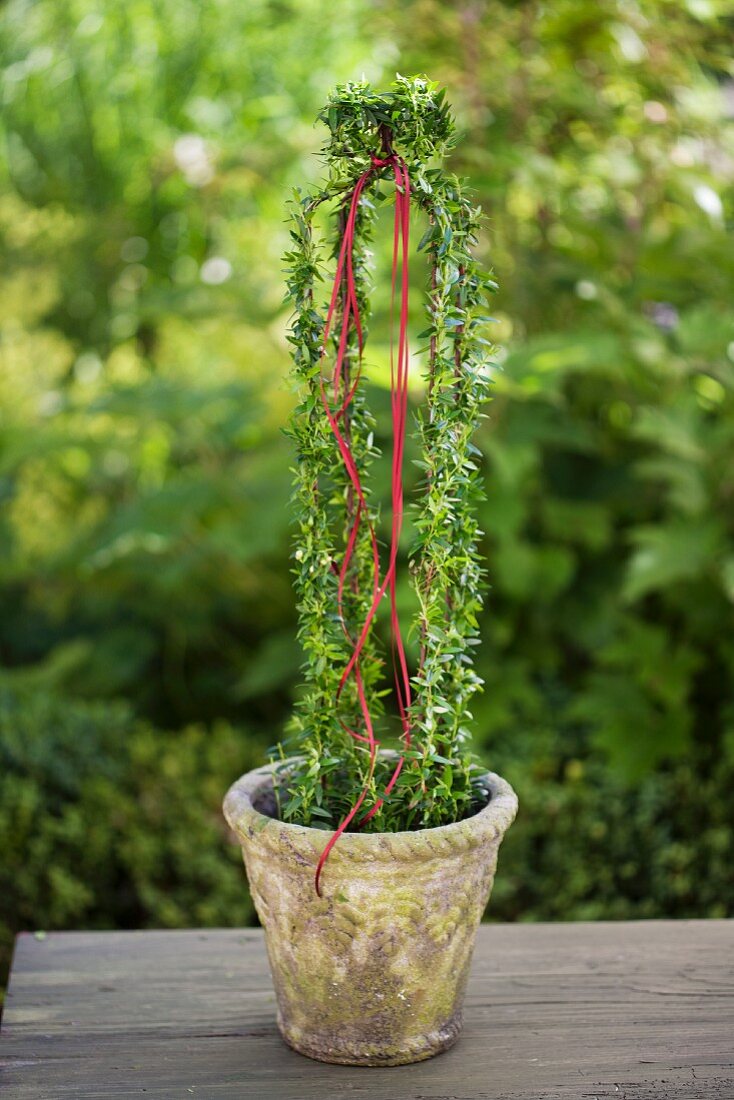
[437,782]
[420,122]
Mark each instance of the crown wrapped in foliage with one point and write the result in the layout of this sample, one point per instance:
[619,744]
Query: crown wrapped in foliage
[437,784]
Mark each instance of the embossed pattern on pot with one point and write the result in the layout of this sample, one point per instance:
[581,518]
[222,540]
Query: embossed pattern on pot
[374,972]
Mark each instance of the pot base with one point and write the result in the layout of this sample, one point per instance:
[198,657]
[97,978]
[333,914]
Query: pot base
[336,1052]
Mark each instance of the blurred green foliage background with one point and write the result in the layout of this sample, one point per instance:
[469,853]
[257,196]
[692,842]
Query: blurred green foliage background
[146,614]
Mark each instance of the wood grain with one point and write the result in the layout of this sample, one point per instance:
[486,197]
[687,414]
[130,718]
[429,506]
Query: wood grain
[625,1011]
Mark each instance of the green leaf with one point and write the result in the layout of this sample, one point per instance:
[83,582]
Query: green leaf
[671,553]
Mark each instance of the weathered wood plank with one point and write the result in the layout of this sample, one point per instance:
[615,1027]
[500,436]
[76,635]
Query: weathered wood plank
[626,1011]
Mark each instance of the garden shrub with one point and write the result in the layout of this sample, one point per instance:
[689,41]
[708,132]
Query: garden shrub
[588,845]
[108,823]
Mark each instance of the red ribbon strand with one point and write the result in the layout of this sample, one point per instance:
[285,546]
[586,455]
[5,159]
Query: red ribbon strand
[337,416]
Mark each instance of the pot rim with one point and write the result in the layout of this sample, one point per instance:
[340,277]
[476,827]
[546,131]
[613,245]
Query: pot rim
[490,822]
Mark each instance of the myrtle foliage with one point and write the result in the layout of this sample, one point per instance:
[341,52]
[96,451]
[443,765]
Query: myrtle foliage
[438,784]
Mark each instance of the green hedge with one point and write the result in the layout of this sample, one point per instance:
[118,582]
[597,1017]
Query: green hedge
[106,822]
[587,845]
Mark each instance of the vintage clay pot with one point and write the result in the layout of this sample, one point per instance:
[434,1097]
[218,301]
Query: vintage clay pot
[373,973]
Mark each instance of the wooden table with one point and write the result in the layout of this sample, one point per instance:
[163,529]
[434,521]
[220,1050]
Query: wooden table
[625,1011]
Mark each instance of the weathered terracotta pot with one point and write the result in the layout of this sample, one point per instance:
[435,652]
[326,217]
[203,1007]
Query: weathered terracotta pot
[374,972]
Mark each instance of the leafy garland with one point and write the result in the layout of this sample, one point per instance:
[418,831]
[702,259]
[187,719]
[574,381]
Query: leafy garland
[437,785]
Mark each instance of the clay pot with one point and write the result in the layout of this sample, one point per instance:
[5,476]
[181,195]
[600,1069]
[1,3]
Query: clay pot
[374,972]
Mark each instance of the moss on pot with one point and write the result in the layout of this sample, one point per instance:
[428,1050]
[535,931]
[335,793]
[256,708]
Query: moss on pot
[374,971]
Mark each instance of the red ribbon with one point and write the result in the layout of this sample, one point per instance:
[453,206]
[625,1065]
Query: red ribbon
[336,417]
